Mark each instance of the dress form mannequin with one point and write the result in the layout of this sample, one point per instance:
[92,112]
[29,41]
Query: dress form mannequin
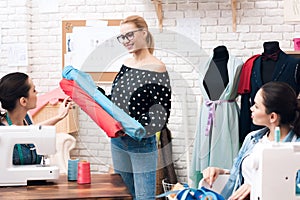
[269,59]
[272,65]
[216,78]
[216,141]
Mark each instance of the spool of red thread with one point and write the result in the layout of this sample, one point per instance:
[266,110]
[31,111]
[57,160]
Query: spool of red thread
[84,172]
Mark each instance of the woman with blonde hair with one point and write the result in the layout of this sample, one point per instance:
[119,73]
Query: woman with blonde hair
[142,89]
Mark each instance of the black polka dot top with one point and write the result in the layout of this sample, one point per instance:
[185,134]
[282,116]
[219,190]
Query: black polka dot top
[144,95]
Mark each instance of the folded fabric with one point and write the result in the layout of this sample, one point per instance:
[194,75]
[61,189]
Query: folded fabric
[51,97]
[109,125]
[130,126]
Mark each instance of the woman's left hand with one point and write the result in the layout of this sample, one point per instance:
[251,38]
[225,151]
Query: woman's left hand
[242,193]
[64,108]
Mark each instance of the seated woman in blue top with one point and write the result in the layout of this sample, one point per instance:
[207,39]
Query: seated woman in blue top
[17,97]
[275,104]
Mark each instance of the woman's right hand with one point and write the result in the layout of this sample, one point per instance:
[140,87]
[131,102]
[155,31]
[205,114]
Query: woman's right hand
[210,174]
[64,108]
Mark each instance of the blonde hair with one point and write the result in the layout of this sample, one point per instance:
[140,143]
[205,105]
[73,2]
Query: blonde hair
[140,22]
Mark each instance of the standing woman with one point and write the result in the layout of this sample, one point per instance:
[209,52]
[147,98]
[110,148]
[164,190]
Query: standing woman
[17,97]
[142,89]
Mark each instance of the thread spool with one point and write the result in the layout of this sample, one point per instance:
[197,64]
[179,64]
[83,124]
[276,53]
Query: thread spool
[72,169]
[277,134]
[296,44]
[84,173]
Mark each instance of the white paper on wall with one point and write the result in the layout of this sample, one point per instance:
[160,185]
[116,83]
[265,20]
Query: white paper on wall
[17,54]
[292,10]
[94,47]
[68,57]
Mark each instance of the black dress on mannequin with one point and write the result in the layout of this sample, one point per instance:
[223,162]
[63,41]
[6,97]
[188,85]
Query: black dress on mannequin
[216,77]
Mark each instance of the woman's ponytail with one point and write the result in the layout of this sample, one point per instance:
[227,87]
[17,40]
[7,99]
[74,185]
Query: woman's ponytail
[150,42]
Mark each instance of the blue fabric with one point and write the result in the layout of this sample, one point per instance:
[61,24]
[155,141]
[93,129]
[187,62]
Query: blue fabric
[136,162]
[236,179]
[205,194]
[131,127]
[194,194]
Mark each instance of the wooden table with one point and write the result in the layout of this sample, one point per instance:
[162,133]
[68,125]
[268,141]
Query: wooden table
[103,186]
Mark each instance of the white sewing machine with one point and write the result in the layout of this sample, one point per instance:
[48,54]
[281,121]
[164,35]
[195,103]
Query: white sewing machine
[43,137]
[276,167]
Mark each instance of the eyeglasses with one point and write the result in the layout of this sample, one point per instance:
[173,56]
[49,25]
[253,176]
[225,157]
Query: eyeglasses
[129,36]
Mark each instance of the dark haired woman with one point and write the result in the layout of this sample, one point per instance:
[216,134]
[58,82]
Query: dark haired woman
[275,105]
[17,97]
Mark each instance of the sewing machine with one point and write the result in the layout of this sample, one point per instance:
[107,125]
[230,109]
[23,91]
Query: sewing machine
[276,166]
[43,137]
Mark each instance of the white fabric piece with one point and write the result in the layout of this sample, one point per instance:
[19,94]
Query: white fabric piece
[218,185]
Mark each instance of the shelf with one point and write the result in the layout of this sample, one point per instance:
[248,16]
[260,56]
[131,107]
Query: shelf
[158,8]
[233,10]
[293,52]
[159,13]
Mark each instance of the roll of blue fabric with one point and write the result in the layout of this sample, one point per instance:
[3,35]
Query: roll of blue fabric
[131,127]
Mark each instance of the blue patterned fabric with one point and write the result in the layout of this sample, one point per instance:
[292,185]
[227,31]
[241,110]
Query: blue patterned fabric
[194,194]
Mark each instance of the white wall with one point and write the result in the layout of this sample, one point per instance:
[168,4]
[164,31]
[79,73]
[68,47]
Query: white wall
[257,21]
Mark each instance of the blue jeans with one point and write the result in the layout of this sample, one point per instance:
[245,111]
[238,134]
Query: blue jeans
[136,163]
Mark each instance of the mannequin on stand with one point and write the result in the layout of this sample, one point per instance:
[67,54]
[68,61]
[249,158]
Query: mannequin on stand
[269,59]
[272,65]
[216,141]
[216,78]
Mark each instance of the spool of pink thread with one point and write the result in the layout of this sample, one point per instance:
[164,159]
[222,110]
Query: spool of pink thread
[84,172]
[296,44]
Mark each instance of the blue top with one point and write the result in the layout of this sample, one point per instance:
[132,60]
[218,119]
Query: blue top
[236,179]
